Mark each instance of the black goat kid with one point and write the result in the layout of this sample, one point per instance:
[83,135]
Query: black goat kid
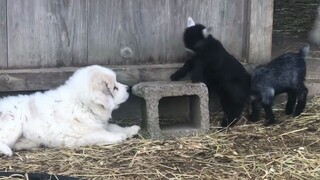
[220,71]
[285,74]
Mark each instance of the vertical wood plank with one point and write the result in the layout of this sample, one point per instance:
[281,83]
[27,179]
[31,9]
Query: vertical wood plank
[225,16]
[260,31]
[179,11]
[230,26]
[123,32]
[3,34]
[45,33]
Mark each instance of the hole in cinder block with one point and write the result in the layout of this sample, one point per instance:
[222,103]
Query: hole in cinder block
[179,112]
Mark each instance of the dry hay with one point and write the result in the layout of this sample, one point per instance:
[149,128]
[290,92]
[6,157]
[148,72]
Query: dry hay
[288,150]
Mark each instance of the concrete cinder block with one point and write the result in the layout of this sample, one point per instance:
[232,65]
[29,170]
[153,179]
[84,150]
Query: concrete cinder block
[153,92]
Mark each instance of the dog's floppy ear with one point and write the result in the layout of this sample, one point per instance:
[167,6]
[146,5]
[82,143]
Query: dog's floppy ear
[106,101]
[102,92]
[190,22]
[107,88]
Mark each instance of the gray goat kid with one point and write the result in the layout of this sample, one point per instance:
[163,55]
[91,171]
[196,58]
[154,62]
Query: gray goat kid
[285,74]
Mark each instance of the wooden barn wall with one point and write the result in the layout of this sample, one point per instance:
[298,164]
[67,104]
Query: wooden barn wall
[126,32]
[260,31]
[43,41]
[64,33]
[3,34]
[47,33]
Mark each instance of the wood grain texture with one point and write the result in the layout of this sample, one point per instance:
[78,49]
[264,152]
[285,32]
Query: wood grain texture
[260,31]
[225,16]
[150,32]
[230,26]
[68,33]
[3,34]
[32,80]
[45,33]
[48,78]
[127,32]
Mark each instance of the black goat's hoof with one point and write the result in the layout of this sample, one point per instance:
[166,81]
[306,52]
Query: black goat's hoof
[288,112]
[253,119]
[196,81]
[224,124]
[269,122]
[296,114]
[173,78]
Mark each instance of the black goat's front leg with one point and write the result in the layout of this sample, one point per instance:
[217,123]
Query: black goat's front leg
[302,100]
[232,112]
[183,71]
[255,112]
[231,116]
[233,99]
[225,121]
[197,74]
[291,102]
[270,118]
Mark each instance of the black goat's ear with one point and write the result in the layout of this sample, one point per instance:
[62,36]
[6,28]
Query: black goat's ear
[190,22]
[207,31]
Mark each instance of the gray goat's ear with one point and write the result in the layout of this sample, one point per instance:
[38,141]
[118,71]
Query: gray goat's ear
[207,31]
[190,22]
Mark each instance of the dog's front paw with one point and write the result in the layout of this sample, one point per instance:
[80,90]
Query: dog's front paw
[5,150]
[118,138]
[133,130]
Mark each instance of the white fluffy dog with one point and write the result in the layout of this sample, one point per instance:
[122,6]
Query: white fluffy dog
[73,115]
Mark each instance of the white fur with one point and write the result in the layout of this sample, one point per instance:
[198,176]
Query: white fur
[207,31]
[190,22]
[74,114]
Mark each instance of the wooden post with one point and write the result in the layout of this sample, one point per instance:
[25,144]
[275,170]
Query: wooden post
[260,21]
[3,34]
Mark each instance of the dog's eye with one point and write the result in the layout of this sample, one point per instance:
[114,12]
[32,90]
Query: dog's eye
[115,88]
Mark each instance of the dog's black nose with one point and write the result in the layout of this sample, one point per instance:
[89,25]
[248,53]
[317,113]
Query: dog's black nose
[129,89]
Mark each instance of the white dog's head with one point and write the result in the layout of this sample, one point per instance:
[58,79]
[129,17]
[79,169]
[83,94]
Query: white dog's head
[98,86]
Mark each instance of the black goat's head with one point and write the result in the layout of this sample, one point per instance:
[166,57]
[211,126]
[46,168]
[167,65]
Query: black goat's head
[194,33]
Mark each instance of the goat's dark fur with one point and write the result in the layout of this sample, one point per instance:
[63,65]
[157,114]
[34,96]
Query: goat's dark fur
[285,74]
[193,35]
[220,71]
